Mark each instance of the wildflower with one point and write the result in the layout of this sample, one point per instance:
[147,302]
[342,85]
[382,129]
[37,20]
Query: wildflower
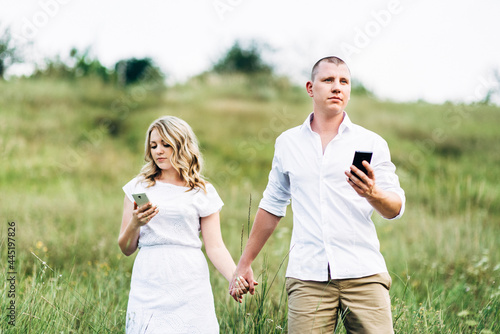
[471,323]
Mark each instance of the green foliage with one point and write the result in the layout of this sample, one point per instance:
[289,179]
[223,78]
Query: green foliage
[357,88]
[130,71]
[63,169]
[9,52]
[126,72]
[493,91]
[80,65]
[86,66]
[242,60]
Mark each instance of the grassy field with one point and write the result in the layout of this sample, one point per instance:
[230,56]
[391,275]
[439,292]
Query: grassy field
[67,148]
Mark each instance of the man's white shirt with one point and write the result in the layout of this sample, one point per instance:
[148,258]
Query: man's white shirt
[332,224]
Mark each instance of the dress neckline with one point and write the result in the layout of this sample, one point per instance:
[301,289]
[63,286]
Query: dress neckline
[169,184]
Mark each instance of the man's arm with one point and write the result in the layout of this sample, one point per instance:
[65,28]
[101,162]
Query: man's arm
[387,203]
[264,225]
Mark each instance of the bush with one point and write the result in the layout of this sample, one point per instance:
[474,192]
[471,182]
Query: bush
[238,59]
[81,65]
[9,53]
[134,70]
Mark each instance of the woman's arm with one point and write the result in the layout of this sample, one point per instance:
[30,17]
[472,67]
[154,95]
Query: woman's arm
[214,246]
[219,255]
[132,220]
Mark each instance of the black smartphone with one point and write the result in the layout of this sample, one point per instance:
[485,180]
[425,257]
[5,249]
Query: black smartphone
[359,157]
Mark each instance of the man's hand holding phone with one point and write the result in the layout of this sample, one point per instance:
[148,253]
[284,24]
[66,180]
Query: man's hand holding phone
[357,162]
[364,181]
[144,211]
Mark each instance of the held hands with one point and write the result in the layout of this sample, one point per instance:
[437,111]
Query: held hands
[144,214]
[240,285]
[363,184]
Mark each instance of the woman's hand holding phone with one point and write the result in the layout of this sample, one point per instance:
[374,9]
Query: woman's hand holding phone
[144,211]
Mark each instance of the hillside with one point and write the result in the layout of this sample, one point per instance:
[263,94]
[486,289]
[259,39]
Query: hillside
[68,147]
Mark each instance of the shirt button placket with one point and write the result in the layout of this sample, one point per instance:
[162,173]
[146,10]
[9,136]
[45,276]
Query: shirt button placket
[322,190]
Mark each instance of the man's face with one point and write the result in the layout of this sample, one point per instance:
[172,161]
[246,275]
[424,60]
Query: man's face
[331,88]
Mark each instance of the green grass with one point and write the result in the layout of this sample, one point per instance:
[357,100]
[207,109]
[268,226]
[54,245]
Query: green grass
[67,148]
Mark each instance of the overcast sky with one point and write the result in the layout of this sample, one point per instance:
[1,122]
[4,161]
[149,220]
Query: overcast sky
[400,49]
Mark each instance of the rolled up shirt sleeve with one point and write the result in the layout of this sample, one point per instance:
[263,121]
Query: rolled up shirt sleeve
[386,177]
[276,197]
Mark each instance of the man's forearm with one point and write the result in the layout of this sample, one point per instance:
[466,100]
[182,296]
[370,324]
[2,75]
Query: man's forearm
[264,225]
[386,203]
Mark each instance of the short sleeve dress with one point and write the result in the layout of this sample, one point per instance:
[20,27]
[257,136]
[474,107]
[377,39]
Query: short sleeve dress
[170,290]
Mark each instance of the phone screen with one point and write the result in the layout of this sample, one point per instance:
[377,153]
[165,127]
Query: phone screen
[359,157]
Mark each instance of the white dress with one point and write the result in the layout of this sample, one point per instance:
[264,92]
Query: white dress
[170,290]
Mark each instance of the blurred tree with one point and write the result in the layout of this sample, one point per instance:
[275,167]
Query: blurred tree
[238,59]
[54,68]
[80,64]
[86,66]
[9,53]
[492,95]
[129,71]
[358,88]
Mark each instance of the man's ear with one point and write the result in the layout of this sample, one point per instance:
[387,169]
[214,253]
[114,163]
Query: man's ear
[309,86]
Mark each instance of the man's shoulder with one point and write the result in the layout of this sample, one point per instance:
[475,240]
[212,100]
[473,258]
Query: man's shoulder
[290,134]
[291,131]
[359,130]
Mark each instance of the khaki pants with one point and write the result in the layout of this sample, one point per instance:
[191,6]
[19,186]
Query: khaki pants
[363,304]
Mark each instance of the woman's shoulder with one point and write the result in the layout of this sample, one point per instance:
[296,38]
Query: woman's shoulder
[210,188]
[136,182]
[206,190]
[207,201]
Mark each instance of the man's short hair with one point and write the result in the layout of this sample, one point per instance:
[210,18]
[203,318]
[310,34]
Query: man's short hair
[331,59]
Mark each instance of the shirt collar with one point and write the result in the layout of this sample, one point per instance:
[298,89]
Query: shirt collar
[346,123]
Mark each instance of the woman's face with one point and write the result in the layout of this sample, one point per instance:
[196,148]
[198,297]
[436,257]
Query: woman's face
[160,150]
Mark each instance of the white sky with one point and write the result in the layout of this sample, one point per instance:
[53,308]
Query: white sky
[400,49]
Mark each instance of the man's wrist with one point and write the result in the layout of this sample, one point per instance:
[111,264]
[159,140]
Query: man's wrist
[376,195]
[244,263]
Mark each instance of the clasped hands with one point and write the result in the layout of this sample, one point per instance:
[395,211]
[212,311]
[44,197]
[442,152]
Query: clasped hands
[239,286]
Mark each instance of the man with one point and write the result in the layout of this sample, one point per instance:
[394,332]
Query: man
[335,267]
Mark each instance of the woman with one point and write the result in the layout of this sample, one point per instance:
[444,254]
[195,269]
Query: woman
[170,288]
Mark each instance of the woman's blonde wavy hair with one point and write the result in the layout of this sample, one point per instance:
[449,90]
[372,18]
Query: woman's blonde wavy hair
[186,158]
